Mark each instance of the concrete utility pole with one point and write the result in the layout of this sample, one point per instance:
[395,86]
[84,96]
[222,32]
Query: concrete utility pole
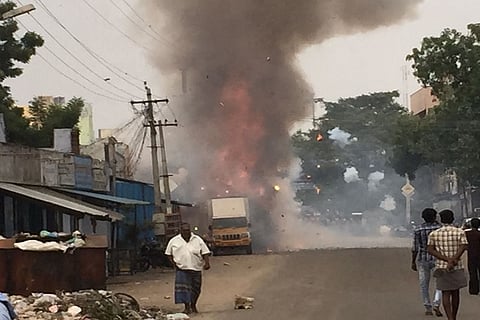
[165,175]
[152,124]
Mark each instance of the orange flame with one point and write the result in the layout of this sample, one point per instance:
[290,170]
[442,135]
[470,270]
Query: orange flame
[243,128]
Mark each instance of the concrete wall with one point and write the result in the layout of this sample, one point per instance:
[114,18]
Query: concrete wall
[32,166]
[422,100]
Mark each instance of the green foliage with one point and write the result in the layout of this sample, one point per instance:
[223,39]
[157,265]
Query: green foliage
[12,51]
[449,64]
[45,118]
[449,135]
[36,131]
[369,119]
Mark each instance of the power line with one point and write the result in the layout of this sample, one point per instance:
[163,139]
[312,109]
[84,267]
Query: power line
[75,81]
[78,60]
[134,11]
[114,26]
[92,53]
[69,77]
[157,36]
[131,20]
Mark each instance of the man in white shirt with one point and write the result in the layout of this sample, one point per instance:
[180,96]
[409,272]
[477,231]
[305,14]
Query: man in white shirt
[189,254]
[6,309]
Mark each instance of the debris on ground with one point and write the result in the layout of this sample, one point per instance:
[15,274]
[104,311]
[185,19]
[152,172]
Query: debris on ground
[83,305]
[177,316]
[242,302]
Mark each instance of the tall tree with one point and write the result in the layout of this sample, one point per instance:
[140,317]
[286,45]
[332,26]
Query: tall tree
[368,119]
[449,64]
[449,135]
[12,51]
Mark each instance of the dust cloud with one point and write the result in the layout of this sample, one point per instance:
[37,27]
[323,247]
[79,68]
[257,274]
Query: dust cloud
[241,90]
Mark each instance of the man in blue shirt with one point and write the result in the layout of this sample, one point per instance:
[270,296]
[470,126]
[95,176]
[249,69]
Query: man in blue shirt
[424,263]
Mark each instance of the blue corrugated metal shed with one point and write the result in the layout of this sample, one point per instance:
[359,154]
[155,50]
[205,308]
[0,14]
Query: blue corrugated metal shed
[107,197]
[140,215]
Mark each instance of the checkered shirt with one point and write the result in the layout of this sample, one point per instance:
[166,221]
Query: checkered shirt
[420,239]
[447,240]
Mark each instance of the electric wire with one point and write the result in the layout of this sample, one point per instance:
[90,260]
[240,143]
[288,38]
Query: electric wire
[131,20]
[137,142]
[131,133]
[140,132]
[78,60]
[157,36]
[143,20]
[133,10]
[92,53]
[75,81]
[133,142]
[121,129]
[69,77]
[96,56]
[139,156]
[115,97]
[114,26]
[159,111]
[126,126]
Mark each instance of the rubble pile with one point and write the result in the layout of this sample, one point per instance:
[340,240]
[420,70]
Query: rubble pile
[83,305]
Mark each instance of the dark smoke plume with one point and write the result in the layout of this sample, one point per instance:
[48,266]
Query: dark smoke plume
[243,89]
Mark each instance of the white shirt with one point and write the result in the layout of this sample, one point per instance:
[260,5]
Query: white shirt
[187,255]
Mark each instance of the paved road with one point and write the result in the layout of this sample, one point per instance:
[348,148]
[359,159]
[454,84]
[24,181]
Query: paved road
[343,284]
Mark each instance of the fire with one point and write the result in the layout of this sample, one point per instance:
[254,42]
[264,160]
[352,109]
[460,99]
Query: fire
[236,160]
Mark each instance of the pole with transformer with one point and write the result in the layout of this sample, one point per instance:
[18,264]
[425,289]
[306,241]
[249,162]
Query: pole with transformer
[160,210]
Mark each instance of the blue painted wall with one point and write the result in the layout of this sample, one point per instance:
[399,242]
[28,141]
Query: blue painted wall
[139,214]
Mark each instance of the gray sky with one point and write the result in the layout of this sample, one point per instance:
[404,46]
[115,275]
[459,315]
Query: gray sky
[340,67]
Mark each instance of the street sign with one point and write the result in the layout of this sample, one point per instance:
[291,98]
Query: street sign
[408,190]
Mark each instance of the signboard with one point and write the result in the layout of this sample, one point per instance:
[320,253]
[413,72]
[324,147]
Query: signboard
[408,190]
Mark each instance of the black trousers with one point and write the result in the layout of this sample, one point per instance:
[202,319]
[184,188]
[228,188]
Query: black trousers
[474,272]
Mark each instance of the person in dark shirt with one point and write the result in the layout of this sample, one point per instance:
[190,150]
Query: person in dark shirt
[473,238]
[424,263]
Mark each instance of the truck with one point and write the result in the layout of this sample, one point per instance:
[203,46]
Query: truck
[230,223]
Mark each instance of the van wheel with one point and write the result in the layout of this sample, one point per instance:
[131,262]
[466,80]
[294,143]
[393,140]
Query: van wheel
[249,249]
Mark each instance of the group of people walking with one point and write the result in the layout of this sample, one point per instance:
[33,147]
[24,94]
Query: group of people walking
[437,252]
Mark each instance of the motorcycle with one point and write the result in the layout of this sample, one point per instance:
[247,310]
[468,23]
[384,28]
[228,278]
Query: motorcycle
[151,255]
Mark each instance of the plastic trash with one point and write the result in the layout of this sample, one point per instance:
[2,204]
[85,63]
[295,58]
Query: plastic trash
[177,316]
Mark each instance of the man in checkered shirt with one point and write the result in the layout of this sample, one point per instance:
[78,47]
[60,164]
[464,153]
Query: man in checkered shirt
[424,263]
[447,244]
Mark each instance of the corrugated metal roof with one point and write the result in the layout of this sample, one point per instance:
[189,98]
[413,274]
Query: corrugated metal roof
[142,190]
[54,198]
[107,197]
